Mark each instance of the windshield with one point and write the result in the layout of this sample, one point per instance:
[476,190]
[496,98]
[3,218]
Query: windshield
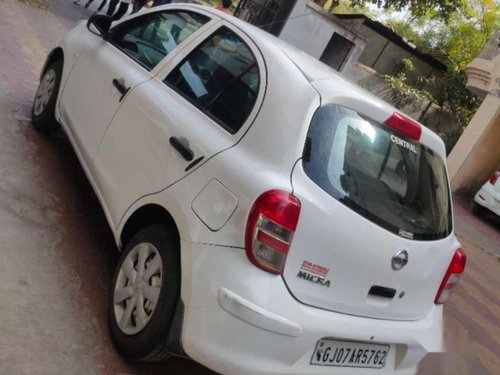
[391,180]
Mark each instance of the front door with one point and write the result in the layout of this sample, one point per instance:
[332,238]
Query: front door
[108,70]
[200,105]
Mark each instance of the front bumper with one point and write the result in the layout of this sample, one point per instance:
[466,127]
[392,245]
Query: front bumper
[486,198]
[240,320]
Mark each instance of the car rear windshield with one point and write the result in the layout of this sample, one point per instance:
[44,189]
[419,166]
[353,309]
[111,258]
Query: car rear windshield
[393,181]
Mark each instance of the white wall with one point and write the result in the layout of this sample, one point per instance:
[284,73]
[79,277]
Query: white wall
[310,29]
[307,29]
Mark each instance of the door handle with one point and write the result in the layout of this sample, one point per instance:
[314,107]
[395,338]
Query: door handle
[120,86]
[382,291]
[184,150]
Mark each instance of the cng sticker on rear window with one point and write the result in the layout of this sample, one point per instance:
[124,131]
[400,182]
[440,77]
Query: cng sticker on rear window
[403,143]
[406,234]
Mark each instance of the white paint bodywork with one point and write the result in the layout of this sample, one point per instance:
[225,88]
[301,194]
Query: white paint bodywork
[238,319]
[489,196]
[214,205]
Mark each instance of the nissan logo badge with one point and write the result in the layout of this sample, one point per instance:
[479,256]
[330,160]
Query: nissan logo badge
[399,260]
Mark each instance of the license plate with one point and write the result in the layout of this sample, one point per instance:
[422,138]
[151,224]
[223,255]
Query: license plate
[349,354]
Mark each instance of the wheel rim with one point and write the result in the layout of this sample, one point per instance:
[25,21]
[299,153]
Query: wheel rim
[44,92]
[137,288]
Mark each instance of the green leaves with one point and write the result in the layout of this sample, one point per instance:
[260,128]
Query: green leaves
[456,38]
[419,8]
[453,31]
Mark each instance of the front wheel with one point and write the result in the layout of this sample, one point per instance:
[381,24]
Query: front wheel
[146,289]
[44,105]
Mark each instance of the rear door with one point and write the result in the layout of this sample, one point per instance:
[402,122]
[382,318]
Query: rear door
[198,106]
[374,235]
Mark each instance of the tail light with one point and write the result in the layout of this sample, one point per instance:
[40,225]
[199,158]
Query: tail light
[452,277]
[404,125]
[270,229]
[494,178]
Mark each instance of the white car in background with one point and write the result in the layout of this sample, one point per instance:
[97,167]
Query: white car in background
[273,218]
[488,197]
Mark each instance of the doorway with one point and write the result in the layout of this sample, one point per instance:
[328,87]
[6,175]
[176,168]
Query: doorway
[337,52]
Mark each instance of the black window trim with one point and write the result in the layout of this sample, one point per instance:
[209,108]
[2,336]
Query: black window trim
[109,37]
[196,104]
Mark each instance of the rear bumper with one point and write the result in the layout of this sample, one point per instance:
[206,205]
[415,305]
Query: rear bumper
[485,198]
[240,320]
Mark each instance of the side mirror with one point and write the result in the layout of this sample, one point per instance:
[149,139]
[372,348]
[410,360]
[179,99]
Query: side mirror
[99,24]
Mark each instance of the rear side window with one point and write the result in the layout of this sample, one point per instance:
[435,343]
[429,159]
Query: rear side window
[393,181]
[148,39]
[220,77]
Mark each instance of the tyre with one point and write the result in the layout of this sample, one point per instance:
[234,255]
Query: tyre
[145,293]
[479,210]
[44,105]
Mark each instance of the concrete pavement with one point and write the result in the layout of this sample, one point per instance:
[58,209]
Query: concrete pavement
[57,255]
[472,318]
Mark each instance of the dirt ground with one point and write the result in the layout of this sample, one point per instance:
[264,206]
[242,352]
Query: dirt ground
[57,255]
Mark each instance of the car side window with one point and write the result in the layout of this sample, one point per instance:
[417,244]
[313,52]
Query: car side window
[221,77]
[150,38]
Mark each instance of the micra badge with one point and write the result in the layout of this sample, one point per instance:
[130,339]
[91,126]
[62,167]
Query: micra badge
[314,273]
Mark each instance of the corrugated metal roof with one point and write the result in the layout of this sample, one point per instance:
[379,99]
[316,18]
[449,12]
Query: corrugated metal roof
[395,38]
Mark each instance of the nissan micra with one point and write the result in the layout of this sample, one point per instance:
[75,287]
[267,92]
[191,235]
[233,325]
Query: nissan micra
[273,217]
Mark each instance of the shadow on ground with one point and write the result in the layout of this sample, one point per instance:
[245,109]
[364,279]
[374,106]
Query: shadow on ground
[88,248]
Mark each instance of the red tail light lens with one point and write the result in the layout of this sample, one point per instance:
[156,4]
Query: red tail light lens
[270,228]
[494,178]
[452,277]
[404,125]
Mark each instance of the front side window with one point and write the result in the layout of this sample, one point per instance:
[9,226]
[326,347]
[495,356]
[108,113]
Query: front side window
[150,38]
[391,180]
[221,77]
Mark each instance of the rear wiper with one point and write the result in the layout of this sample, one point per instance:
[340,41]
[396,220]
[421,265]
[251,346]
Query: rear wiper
[384,162]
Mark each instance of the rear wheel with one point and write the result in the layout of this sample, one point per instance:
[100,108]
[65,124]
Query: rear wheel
[44,105]
[146,289]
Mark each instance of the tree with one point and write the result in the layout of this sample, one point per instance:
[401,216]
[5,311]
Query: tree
[453,31]
[346,7]
[443,8]
[458,40]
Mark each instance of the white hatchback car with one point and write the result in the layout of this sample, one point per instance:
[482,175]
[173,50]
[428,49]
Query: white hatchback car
[274,218]
[488,197]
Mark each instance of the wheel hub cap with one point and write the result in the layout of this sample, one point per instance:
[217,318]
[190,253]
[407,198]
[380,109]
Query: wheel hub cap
[44,92]
[137,288]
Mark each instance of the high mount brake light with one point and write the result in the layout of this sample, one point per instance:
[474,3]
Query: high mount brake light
[452,277]
[494,178]
[270,228]
[404,125]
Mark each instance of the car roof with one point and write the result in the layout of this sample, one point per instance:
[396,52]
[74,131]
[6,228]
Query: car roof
[310,67]
[331,85]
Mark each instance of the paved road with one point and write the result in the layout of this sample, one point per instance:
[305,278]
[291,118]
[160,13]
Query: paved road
[57,255]
[472,318]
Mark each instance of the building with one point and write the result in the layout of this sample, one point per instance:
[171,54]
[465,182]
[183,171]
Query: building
[476,156]
[346,42]
[362,49]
